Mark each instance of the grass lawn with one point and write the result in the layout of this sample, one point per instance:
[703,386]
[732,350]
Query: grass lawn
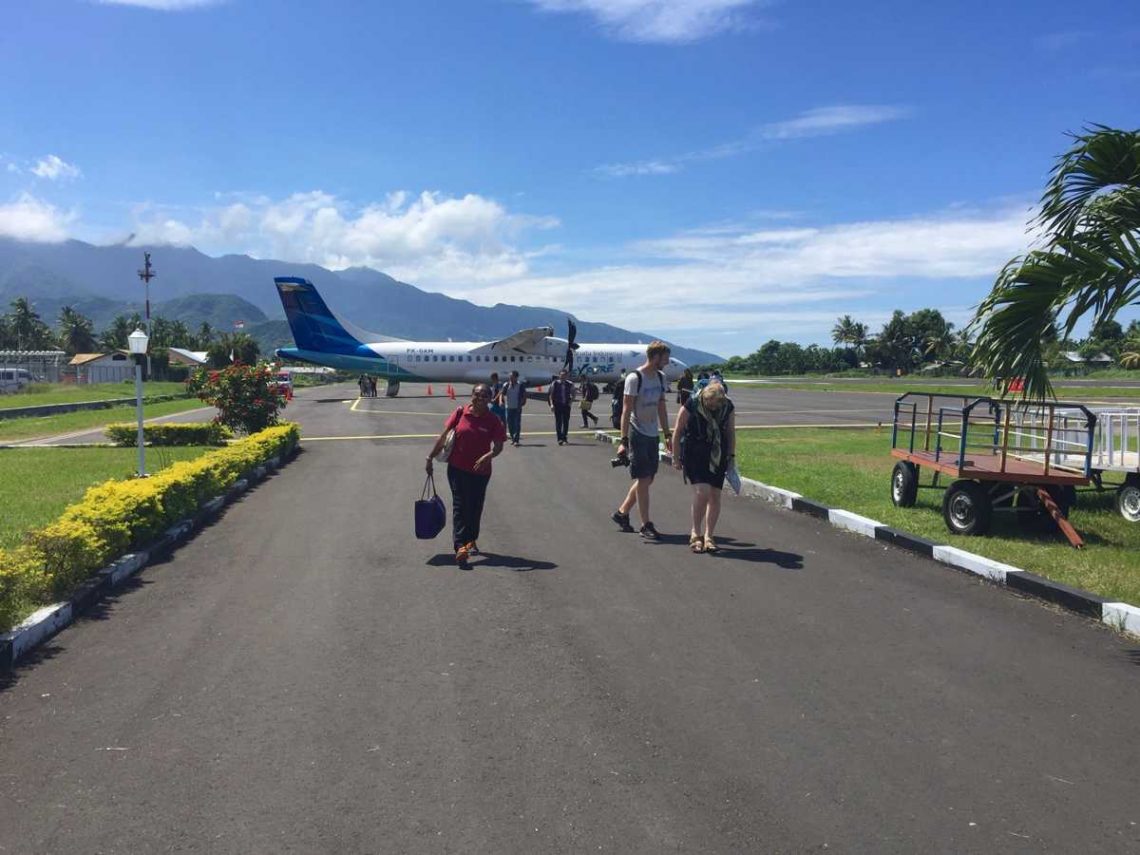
[851,469]
[43,394]
[62,475]
[12,430]
[909,384]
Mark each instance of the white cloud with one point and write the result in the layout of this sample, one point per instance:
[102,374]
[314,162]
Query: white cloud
[663,21]
[28,218]
[785,282]
[162,5]
[821,121]
[428,239]
[54,168]
[831,120]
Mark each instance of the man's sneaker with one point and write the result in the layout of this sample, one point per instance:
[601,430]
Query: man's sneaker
[649,532]
[622,520]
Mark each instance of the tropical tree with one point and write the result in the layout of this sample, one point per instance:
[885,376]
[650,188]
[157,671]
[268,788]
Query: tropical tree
[114,337]
[27,328]
[205,336]
[76,331]
[1089,263]
[233,348]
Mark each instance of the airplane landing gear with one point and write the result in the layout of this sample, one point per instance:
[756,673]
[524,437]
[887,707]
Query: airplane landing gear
[393,389]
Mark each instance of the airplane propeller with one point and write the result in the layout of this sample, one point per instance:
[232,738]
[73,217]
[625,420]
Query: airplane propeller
[571,346]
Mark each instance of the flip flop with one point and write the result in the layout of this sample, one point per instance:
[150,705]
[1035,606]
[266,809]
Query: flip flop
[696,544]
[710,546]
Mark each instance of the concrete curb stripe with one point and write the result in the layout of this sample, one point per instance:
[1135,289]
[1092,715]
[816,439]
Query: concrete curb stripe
[906,540]
[1121,616]
[1073,599]
[972,563]
[853,522]
[807,506]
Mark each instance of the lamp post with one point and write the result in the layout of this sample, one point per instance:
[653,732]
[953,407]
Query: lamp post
[137,342]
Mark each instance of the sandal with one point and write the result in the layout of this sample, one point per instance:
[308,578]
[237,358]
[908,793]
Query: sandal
[696,543]
[710,546]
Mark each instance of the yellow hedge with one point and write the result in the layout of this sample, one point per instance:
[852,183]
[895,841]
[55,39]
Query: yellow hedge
[117,516]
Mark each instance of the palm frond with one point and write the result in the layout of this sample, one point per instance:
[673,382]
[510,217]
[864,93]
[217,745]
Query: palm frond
[1101,159]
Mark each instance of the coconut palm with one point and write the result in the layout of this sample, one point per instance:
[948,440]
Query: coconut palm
[844,330]
[76,332]
[1089,263]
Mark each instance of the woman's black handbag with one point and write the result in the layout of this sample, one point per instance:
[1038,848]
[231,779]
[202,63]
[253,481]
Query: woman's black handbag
[431,515]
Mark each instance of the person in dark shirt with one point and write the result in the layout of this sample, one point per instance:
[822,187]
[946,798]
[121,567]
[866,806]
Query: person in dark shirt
[561,397]
[479,437]
[705,439]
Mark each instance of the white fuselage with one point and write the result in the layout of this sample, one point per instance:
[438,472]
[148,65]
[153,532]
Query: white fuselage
[473,362]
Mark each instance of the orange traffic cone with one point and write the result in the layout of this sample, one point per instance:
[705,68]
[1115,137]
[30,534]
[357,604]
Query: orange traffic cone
[451,391]
[430,392]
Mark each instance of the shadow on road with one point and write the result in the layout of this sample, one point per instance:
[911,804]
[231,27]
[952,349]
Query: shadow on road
[490,559]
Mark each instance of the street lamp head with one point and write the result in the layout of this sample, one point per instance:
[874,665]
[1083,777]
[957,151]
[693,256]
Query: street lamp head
[137,342]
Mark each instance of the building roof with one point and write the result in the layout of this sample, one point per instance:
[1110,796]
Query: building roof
[196,356]
[84,358]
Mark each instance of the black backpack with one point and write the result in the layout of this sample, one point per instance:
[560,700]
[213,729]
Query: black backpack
[591,391]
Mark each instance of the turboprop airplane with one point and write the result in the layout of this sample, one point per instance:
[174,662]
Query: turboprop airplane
[536,354]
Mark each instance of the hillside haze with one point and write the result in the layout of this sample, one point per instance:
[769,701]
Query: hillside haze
[102,281]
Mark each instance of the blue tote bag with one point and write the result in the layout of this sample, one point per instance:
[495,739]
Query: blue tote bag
[431,515]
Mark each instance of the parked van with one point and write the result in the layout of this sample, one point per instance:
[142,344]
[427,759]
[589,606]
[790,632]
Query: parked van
[14,379]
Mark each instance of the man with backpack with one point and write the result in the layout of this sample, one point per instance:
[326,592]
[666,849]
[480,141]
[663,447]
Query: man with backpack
[513,398]
[618,402]
[561,397]
[589,393]
[643,417]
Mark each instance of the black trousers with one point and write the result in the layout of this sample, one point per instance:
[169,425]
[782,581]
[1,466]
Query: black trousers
[468,491]
[562,421]
[586,416]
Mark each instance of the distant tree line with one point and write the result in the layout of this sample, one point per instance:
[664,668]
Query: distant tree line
[923,340]
[22,328]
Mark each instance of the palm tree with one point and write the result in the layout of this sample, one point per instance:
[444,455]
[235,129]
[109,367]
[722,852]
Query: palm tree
[1130,353]
[844,330]
[76,332]
[25,325]
[1090,261]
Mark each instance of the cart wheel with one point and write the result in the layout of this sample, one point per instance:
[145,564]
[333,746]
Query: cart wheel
[1128,499]
[904,484]
[966,508]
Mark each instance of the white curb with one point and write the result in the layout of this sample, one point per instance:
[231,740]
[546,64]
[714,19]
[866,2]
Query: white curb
[955,557]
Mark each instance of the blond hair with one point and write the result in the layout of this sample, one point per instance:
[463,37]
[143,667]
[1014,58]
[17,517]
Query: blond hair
[713,395]
[656,347]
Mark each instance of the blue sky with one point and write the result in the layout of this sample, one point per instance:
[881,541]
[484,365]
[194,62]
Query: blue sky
[719,172]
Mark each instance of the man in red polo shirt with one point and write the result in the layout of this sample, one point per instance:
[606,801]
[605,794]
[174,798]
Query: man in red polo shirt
[479,437]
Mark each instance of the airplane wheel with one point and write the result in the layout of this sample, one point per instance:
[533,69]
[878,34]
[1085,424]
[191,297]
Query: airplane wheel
[966,508]
[904,484]
[393,389]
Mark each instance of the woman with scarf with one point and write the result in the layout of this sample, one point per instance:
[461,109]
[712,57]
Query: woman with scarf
[705,436]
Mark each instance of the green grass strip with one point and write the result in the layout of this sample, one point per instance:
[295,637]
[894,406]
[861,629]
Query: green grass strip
[61,477]
[45,394]
[13,430]
[852,470]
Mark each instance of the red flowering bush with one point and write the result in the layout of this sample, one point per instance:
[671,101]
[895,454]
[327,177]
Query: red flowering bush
[246,396]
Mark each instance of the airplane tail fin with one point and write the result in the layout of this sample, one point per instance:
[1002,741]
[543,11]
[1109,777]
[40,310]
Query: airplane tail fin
[314,326]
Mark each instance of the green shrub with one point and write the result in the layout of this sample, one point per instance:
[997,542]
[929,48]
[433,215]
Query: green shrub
[170,433]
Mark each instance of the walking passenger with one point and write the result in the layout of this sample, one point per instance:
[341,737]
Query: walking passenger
[589,393]
[642,414]
[497,405]
[561,397]
[372,386]
[705,442]
[685,387]
[513,398]
[479,438]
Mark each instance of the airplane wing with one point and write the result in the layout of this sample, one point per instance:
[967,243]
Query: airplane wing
[524,340]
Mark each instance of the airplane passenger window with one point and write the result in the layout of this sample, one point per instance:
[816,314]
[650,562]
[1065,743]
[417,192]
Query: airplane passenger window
[468,357]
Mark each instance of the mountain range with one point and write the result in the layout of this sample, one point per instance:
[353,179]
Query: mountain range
[102,281]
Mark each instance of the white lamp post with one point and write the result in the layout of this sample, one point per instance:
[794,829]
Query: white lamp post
[137,342]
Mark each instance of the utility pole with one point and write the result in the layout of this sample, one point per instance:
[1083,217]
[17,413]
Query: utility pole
[146,274]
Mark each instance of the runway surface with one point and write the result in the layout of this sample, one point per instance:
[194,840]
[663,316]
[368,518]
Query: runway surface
[305,676]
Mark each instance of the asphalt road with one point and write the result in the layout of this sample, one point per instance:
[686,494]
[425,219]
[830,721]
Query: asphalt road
[304,676]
